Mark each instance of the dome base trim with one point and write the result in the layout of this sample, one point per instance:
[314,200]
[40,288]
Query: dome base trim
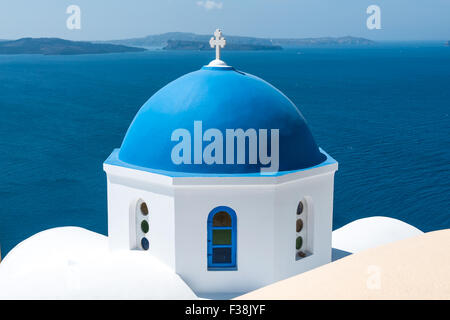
[114,160]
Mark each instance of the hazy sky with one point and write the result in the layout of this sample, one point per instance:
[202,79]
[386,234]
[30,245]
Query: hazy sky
[117,19]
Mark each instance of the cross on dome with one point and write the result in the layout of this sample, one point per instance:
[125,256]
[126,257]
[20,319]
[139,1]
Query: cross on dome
[218,42]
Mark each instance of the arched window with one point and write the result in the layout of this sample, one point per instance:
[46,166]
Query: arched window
[222,239]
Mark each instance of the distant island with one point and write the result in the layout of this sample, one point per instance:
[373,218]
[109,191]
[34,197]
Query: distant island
[56,46]
[199,45]
[192,41]
[448,44]
[166,41]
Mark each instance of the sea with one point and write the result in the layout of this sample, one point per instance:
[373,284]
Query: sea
[381,111]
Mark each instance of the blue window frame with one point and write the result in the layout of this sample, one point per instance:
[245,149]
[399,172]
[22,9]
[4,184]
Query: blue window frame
[222,239]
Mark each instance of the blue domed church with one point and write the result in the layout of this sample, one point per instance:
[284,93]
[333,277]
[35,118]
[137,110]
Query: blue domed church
[220,178]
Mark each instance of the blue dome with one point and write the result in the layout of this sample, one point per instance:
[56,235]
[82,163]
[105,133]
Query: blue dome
[222,98]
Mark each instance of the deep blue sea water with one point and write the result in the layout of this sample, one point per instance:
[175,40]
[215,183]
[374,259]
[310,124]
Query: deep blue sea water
[382,112]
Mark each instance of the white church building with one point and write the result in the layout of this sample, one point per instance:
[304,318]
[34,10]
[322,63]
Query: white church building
[220,178]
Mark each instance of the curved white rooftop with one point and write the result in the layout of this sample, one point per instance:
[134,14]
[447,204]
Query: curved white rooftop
[371,232]
[74,263]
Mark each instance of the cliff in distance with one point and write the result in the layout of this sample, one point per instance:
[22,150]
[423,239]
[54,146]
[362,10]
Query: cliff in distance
[56,46]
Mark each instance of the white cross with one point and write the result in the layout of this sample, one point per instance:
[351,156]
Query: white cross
[218,42]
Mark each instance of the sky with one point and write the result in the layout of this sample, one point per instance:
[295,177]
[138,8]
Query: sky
[119,19]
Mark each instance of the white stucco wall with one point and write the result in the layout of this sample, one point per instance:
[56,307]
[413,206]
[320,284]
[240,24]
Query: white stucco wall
[316,192]
[255,236]
[266,217]
[126,188]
